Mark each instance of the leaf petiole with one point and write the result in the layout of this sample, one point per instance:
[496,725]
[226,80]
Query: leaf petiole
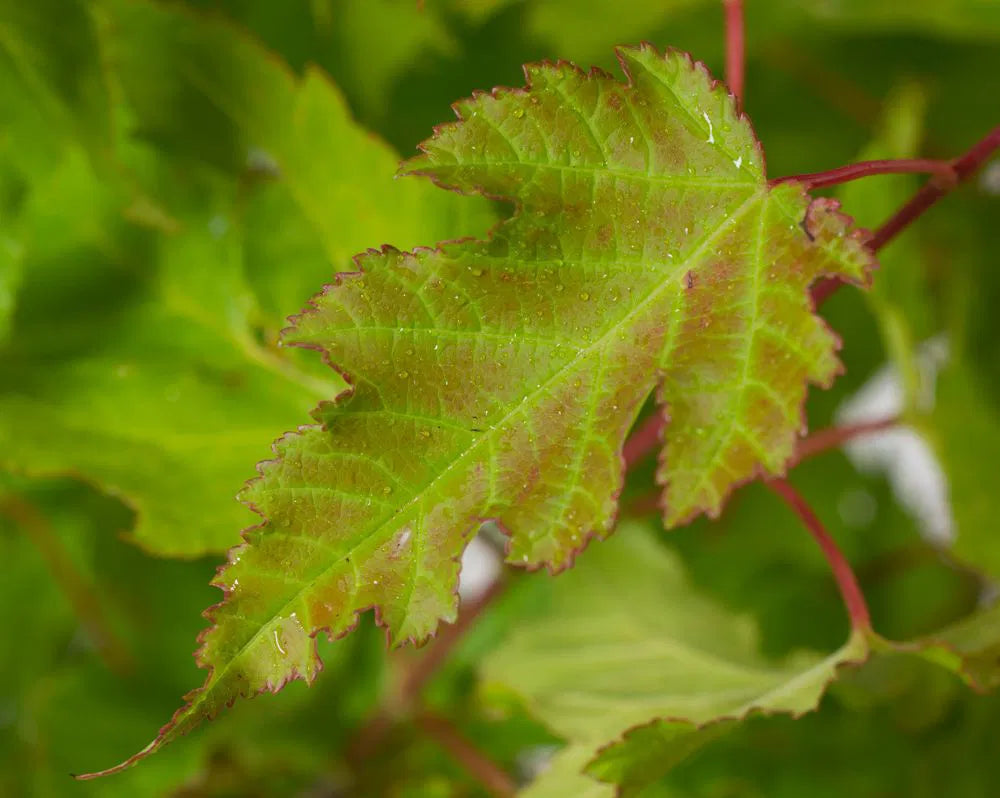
[943,171]
[854,600]
[735,49]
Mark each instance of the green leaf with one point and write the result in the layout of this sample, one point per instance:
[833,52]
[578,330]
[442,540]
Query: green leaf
[146,361]
[964,429]
[253,115]
[969,648]
[628,646]
[499,378]
[959,18]
[59,66]
[152,386]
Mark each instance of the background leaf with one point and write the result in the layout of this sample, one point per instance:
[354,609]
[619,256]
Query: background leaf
[625,638]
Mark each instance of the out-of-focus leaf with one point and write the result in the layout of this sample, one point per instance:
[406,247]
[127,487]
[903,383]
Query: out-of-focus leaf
[64,702]
[964,429]
[59,65]
[162,399]
[10,278]
[976,19]
[338,36]
[626,641]
[564,777]
[970,648]
[202,90]
[586,26]
[945,753]
[164,383]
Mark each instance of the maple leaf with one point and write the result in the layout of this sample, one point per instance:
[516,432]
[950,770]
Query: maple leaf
[498,379]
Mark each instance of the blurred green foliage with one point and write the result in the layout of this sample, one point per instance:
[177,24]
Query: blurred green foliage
[178,177]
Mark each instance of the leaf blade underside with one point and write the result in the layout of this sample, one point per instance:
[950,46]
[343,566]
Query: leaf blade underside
[498,379]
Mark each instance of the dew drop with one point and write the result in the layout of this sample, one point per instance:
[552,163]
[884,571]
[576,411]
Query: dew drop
[403,375]
[584,296]
[519,113]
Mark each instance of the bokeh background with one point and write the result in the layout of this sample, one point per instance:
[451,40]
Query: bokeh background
[176,178]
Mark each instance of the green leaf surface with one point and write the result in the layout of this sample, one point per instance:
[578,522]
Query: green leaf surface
[627,645]
[498,379]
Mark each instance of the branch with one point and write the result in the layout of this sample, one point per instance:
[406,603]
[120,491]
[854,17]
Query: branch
[372,733]
[735,48]
[832,437]
[649,435]
[854,600]
[964,167]
[423,671]
[943,171]
[81,594]
[934,189]
[644,438]
[494,778]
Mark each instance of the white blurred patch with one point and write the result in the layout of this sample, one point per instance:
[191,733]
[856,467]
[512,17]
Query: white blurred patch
[989,178]
[480,568]
[534,761]
[916,477]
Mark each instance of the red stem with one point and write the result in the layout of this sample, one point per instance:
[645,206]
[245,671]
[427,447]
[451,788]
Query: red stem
[962,167]
[644,438]
[370,736]
[648,435]
[494,778]
[944,171]
[423,671]
[82,594]
[832,437]
[735,48]
[854,600]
